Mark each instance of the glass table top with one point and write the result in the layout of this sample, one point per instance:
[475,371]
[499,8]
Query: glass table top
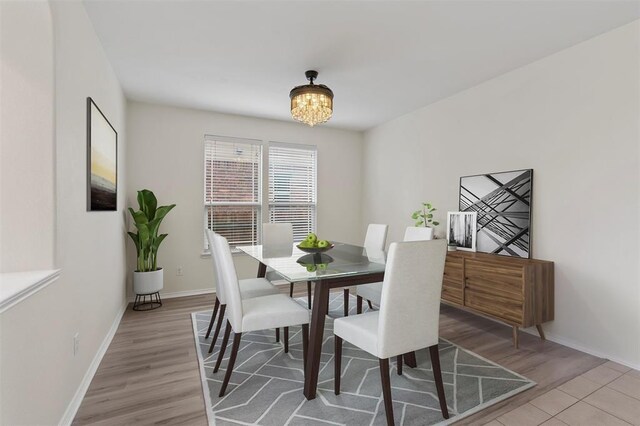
[341,261]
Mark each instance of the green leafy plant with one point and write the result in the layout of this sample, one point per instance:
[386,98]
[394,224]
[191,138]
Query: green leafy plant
[424,216]
[147,221]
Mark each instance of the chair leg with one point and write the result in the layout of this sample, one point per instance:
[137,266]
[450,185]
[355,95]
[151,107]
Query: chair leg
[213,317]
[223,347]
[305,346]
[370,305]
[337,364]
[309,293]
[410,359]
[218,325]
[359,304]
[232,360]
[399,362]
[286,340]
[437,375]
[290,289]
[346,302]
[386,390]
[277,335]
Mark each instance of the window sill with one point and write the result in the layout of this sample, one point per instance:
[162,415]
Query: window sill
[17,286]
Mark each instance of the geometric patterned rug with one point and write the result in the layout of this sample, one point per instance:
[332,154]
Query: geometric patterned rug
[266,385]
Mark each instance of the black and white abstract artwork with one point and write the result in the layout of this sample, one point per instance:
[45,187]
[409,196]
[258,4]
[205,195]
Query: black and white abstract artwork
[503,204]
[461,230]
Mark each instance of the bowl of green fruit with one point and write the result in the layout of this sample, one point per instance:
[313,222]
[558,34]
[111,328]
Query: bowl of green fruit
[313,245]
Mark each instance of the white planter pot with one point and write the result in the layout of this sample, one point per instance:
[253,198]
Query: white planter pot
[147,282]
[420,233]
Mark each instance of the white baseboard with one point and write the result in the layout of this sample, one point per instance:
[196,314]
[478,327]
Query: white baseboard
[74,405]
[186,293]
[577,346]
[174,294]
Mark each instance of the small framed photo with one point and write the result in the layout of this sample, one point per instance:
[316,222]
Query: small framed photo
[461,230]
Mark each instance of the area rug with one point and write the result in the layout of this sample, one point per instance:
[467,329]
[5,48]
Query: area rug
[266,385]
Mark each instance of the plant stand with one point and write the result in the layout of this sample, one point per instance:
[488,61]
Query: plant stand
[141,303]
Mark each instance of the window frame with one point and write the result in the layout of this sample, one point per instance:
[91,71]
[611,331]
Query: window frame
[314,203]
[263,205]
[258,204]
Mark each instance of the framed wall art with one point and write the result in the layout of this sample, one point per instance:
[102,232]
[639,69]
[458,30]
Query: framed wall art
[503,204]
[102,161]
[461,230]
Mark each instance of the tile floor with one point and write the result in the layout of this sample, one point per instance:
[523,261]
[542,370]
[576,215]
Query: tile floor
[607,395]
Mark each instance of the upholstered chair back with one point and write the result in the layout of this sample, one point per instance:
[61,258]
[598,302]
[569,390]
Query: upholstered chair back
[218,287]
[277,235]
[410,303]
[230,282]
[418,233]
[376,237]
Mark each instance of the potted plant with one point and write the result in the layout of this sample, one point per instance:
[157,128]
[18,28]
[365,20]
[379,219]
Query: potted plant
[148,278]
[424,217]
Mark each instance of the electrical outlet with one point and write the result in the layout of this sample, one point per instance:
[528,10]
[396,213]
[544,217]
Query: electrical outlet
[76,343]
[179,271]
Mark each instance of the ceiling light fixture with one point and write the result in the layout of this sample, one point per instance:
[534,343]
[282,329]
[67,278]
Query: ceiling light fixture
[311,103]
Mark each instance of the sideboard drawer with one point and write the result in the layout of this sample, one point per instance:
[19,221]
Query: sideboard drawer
[496,286]
[493,305]
[490,270]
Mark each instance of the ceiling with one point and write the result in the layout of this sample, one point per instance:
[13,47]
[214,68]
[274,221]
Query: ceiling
[382,59]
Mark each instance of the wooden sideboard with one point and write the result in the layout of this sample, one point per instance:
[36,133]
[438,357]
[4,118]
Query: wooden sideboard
[516,291]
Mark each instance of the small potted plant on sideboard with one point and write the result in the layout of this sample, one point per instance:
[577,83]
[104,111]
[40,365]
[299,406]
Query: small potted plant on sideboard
[424,217]
[148,278]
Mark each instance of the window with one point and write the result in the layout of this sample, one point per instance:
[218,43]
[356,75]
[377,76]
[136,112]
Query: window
[232,189]
[292,187]
[233,183]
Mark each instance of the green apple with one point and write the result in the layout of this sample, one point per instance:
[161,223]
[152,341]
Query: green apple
[323,244]
[311,268]
[313,238]
[305,244]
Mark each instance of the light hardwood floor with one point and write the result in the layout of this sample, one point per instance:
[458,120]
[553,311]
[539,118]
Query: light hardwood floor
[150,375]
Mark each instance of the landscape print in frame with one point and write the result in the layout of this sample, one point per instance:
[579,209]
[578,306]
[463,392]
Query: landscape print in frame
[102,161]
[503,203]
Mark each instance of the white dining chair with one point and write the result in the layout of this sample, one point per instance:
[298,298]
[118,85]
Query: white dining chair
[278,236]
[254,314]
[372,292]
[375,241]
[252,287]
[408,318]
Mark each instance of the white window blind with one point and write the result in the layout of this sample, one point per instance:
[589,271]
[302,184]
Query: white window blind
[232,189]
[292,187]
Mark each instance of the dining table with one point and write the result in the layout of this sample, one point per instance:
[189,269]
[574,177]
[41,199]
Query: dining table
[342,265]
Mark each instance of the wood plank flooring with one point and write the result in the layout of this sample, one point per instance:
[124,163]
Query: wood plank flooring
[150,375]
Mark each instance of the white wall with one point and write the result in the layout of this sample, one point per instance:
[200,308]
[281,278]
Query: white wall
[40,375]
[573,117]
[27,132]
[165,154]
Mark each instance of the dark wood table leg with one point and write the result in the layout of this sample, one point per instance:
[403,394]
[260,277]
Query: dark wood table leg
[346,301]
[410,359]
[318,313]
